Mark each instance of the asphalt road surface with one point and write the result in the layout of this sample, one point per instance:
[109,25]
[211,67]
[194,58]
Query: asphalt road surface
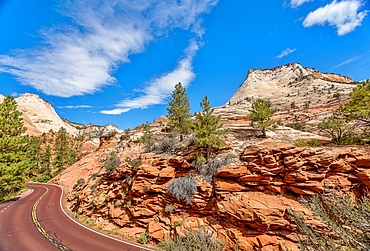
[37,222]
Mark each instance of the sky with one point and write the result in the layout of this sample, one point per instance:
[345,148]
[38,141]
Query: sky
[117,62]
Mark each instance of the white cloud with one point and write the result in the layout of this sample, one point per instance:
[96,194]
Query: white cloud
[297,3]
[75,106]
[286,52]
[158,89]
[80,58]
[343,15]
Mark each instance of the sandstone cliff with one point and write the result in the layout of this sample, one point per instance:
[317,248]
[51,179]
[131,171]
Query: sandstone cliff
[244,200]
[245,204]
[290,88]
[42,114]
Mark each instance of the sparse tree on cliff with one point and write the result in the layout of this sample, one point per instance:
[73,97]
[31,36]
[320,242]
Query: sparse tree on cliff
[358,108]
[260,116]
[208,129]
[14,165]
[179,111]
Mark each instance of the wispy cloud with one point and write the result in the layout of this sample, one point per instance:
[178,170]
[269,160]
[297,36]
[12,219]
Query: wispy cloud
[75,107]
[158,89]
[80,58]
[297,3]
[343,15]
[286,52]
[350,60]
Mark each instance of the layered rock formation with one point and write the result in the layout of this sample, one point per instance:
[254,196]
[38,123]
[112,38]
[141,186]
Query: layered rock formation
[245,205]
[246,202]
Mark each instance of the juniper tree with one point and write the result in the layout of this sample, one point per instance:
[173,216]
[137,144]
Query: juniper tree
[179,111]
[14,164]
[208,129]
[260,115]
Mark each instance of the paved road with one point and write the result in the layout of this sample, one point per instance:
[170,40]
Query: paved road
[37,222]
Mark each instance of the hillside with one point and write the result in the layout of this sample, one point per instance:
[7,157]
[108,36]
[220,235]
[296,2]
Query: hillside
[245,198]
[289,88]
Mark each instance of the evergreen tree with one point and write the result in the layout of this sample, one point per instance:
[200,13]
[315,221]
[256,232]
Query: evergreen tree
[179,111]
[34,154]
[64,154]
[208,129]
[260,116]
[358,108]
[147,138]
[45,162]
[14,164]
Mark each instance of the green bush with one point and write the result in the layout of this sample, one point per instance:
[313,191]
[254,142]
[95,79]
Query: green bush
[307,143]
[144,238]
[199,240]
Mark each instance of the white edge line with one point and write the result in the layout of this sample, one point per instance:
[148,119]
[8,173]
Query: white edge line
[92,230]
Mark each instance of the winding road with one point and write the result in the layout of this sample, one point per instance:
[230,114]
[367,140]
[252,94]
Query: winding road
[38,222]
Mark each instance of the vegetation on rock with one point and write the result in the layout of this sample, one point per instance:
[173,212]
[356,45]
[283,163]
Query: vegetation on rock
[347,222]
[260,116]
[208,129]
[201,239]
[350,123]
[183,188]
[147,138]
[179,111]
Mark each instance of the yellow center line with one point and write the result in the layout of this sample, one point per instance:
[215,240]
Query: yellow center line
[42,230]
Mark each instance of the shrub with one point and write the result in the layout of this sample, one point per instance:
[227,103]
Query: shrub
[207,170]
[165,145]
[200,240]
[183,188]
[94,188]
[214,165]
[135,163]
[169,208]
[80,182]
[111,163]
[144,238]
[347,221]
[307,143]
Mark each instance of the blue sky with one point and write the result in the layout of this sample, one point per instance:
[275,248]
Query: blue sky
[117,61]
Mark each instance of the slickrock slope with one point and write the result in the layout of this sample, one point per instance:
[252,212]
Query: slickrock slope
[42,114]
[245,205]
[312,92]
[30,126]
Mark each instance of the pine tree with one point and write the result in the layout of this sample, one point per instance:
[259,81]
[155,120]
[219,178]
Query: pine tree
[45,162]
[14,164]
[34,154]
[260,116]
[179,111]
[358,108]
[64,154]
[208,129]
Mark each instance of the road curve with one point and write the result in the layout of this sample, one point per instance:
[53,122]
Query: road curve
[49,227]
